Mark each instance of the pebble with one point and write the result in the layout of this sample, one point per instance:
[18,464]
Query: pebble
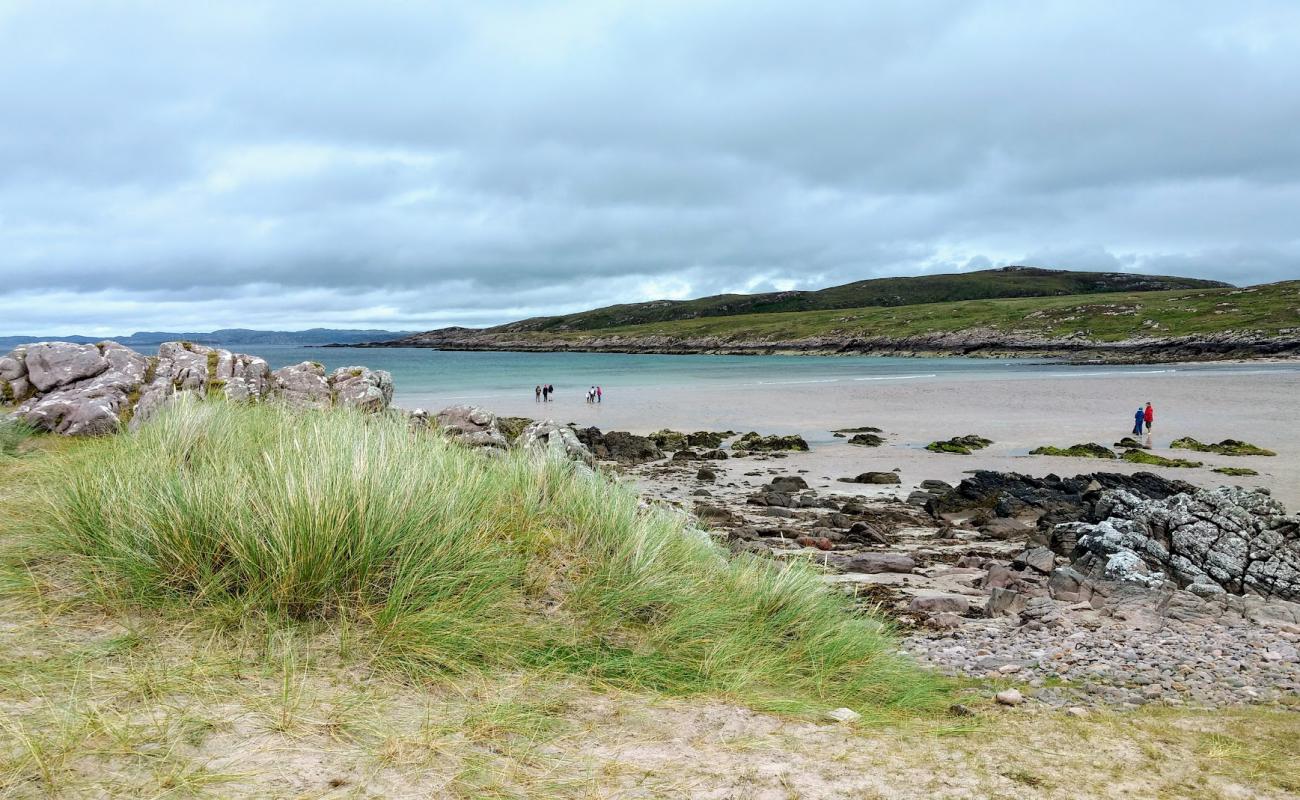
[1205,666]
[1009,697]
[843,715]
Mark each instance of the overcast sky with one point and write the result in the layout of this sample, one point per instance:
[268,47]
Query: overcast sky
[408,165]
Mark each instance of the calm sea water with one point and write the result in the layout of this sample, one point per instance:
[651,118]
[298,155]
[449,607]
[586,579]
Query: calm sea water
[428,377]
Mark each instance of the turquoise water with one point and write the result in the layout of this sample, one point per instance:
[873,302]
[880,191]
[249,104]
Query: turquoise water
[426,377]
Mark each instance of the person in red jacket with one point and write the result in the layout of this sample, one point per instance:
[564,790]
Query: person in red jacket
[1150,416]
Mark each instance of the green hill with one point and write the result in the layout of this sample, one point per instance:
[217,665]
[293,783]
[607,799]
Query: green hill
[878,292]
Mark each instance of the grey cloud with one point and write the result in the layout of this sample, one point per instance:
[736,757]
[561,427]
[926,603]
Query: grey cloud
[443,163]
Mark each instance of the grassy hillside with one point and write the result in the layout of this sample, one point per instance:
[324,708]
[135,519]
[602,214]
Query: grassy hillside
[883,292]
[1104,317]
[449,562]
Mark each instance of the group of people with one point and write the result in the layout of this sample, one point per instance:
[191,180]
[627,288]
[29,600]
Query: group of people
[542,393]
[1143,416]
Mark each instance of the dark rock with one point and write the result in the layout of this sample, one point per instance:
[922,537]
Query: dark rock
[873,478]
[706,474]
[686,455]
[1085,450]
[959,445]
[819,542]
[936,604]
[874,563]
[710,440]
[752,441]
[1039,558]
[787,483]
[866,533]
[867,440]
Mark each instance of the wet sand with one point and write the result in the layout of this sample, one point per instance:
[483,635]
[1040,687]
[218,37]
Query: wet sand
[1018,414]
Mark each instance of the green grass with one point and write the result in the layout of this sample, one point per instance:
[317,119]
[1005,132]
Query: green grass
[1100,317]
[12,434]
[877,292]
[452,562]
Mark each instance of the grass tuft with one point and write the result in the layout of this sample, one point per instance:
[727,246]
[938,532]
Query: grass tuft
[454,562]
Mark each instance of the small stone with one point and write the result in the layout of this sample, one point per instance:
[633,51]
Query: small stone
[843,715]
[1009,697]
[1078,712]
[1009,669]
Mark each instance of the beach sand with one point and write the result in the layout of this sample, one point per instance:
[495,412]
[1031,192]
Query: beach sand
[1017,413]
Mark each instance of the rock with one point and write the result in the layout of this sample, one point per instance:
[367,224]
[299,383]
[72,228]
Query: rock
[78,389]
[931,485]
[706,474]
[944,621]
[1004,603]
[669,440]
[714,455]
[621,446]
[1055,499]
[301,385]
[960,710]
[1009,697]
[1006,529]
[787,484]
[559,441]
[1242,541]
[959,445]
[882,478]
[819,542]
[865,532]
[874,563]
[1140,457]
[1038,558]
[711,513]
[1227,447]
[361,388]
[937,604]
[471,425]
[754,442]
[51,365]
[866,440]
[710,440]
[1077,712]
[1129,443]
[686,455]
[1085,450]
[843,715]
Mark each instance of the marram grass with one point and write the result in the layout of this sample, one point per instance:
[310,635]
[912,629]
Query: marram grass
[455,561]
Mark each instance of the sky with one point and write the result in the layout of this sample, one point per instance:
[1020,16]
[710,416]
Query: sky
[412,165]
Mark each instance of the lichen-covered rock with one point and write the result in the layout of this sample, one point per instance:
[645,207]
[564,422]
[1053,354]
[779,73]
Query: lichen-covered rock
[670,440]
[1083,450]
[1241,541]
[959,445]
[621,446]
[547,436]
[80,390]
[303,385]
[361,387]
[472,425]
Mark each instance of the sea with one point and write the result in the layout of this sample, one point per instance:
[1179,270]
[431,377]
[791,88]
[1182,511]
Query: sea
[431,379]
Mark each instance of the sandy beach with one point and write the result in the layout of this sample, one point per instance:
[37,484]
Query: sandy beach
[1018,414]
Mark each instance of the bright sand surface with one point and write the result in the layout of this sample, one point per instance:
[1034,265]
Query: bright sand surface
[1018,413]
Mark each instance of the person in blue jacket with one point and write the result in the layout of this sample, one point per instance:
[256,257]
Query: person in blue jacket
[1138,419]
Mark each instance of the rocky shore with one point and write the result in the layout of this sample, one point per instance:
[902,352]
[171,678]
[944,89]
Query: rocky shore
[974,342]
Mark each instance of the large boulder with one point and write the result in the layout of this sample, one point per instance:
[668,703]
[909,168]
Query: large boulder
[79,390]
[303,385]
[1226,540]
[472,425]
[361,387]
[548,436]
[621,446]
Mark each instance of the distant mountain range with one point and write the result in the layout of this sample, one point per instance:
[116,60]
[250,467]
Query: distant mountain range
[226,337]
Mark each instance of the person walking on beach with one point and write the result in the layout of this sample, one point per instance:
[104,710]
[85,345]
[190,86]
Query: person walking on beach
[537,393]
[598,394]
[1149,416]
[1138,418]
[550,390]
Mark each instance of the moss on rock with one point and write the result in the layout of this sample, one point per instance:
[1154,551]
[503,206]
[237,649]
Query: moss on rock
[1142,457]
[1227,447]
[959,445]
[1235,471]
[1083,450]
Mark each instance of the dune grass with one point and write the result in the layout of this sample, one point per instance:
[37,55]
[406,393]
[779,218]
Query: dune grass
[454,562]
[12,434]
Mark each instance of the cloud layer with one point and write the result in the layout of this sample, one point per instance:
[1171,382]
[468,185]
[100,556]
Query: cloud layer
[412,165]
